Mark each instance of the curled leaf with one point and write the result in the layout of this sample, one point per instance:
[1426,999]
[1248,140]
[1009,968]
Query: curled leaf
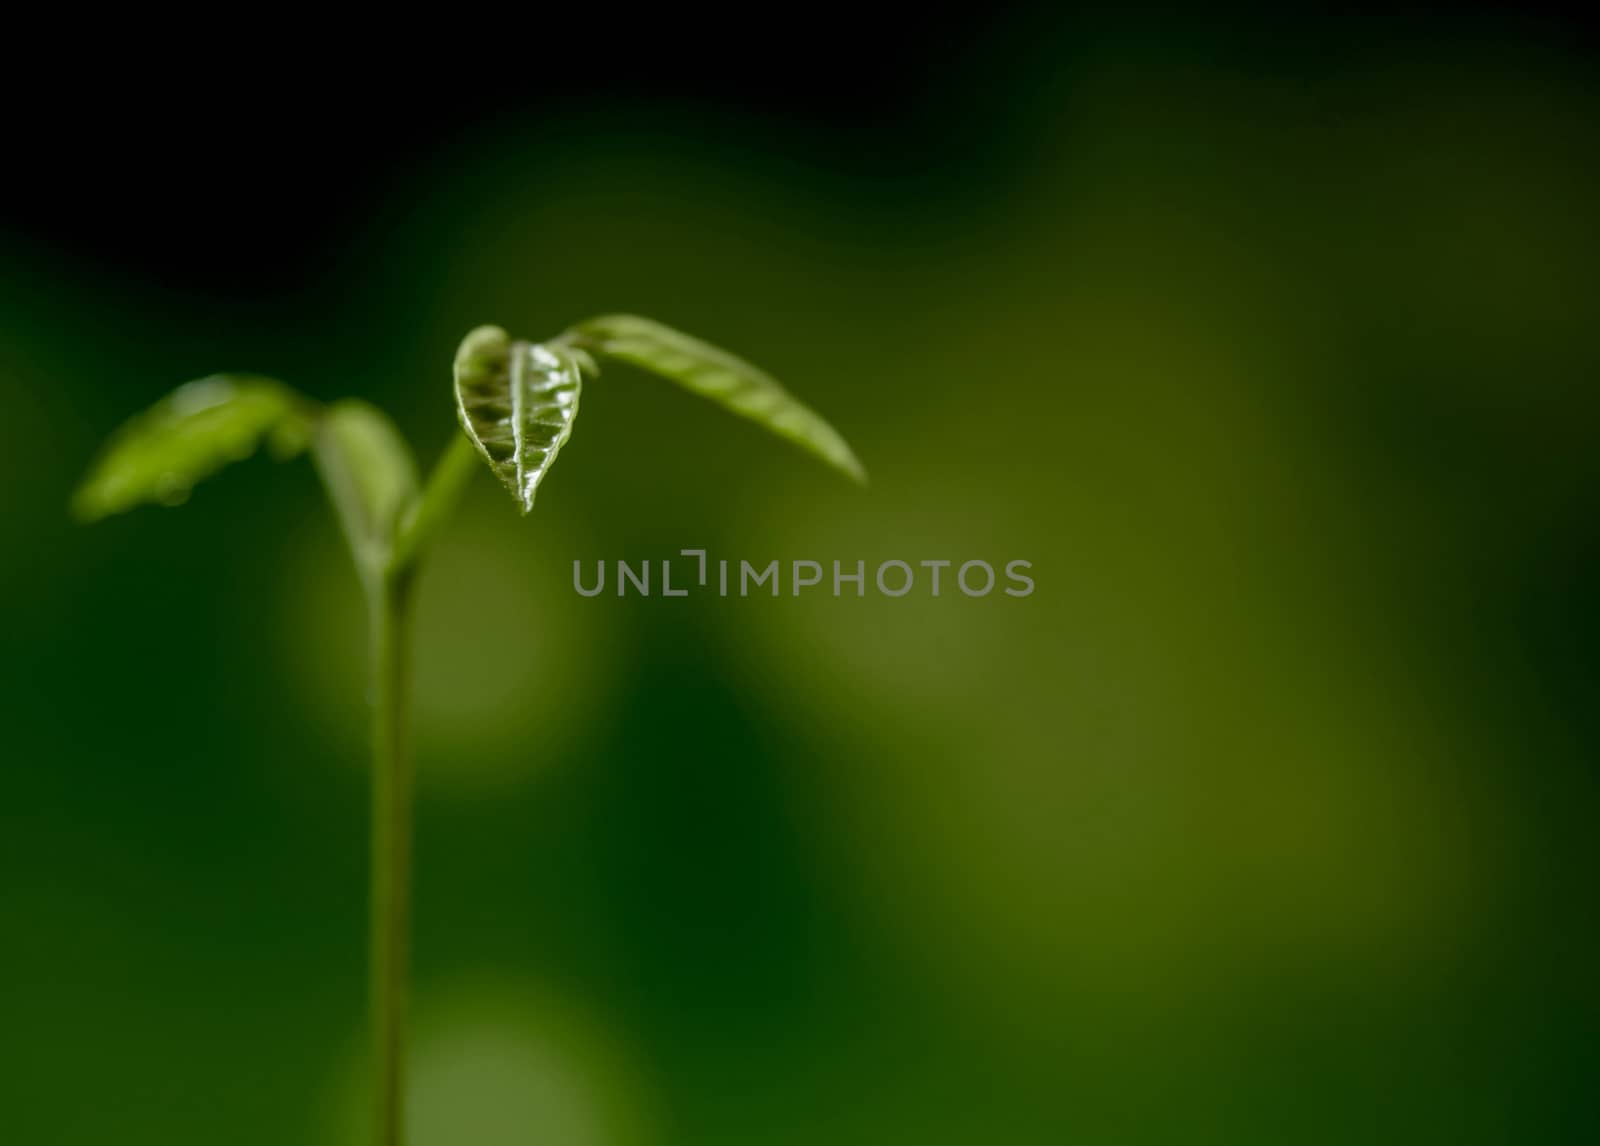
[370,475]
[160,455]
[517,401]
[713,373]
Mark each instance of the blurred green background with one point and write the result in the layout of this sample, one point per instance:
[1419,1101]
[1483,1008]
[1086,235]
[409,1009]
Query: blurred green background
[1268,818]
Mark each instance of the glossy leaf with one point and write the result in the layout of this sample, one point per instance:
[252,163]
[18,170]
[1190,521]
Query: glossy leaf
[160,455]
[726,379]
[517,402]
[370,475]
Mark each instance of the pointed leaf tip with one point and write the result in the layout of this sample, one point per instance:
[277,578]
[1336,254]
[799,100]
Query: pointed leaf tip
[726,379]
[517,402]
[160,455]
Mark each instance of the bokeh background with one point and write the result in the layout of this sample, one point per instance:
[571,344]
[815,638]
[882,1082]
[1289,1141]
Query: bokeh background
[1268,818]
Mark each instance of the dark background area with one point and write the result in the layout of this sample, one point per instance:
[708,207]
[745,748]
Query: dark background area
[1267,337]
[231,163]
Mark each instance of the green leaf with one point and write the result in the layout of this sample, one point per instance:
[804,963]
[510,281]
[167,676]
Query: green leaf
[517,402]
[713,373]
[161,454]
[370,475]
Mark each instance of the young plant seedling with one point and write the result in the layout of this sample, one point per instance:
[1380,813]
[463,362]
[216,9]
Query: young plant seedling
[516,402]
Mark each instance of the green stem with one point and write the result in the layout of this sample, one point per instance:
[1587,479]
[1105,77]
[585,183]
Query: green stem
[389,936]
[390,580]
[439,497]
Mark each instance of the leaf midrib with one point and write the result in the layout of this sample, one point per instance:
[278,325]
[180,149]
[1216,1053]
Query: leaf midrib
[519,353]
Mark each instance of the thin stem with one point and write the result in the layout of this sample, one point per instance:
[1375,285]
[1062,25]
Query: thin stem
[389,937]
[439,497]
